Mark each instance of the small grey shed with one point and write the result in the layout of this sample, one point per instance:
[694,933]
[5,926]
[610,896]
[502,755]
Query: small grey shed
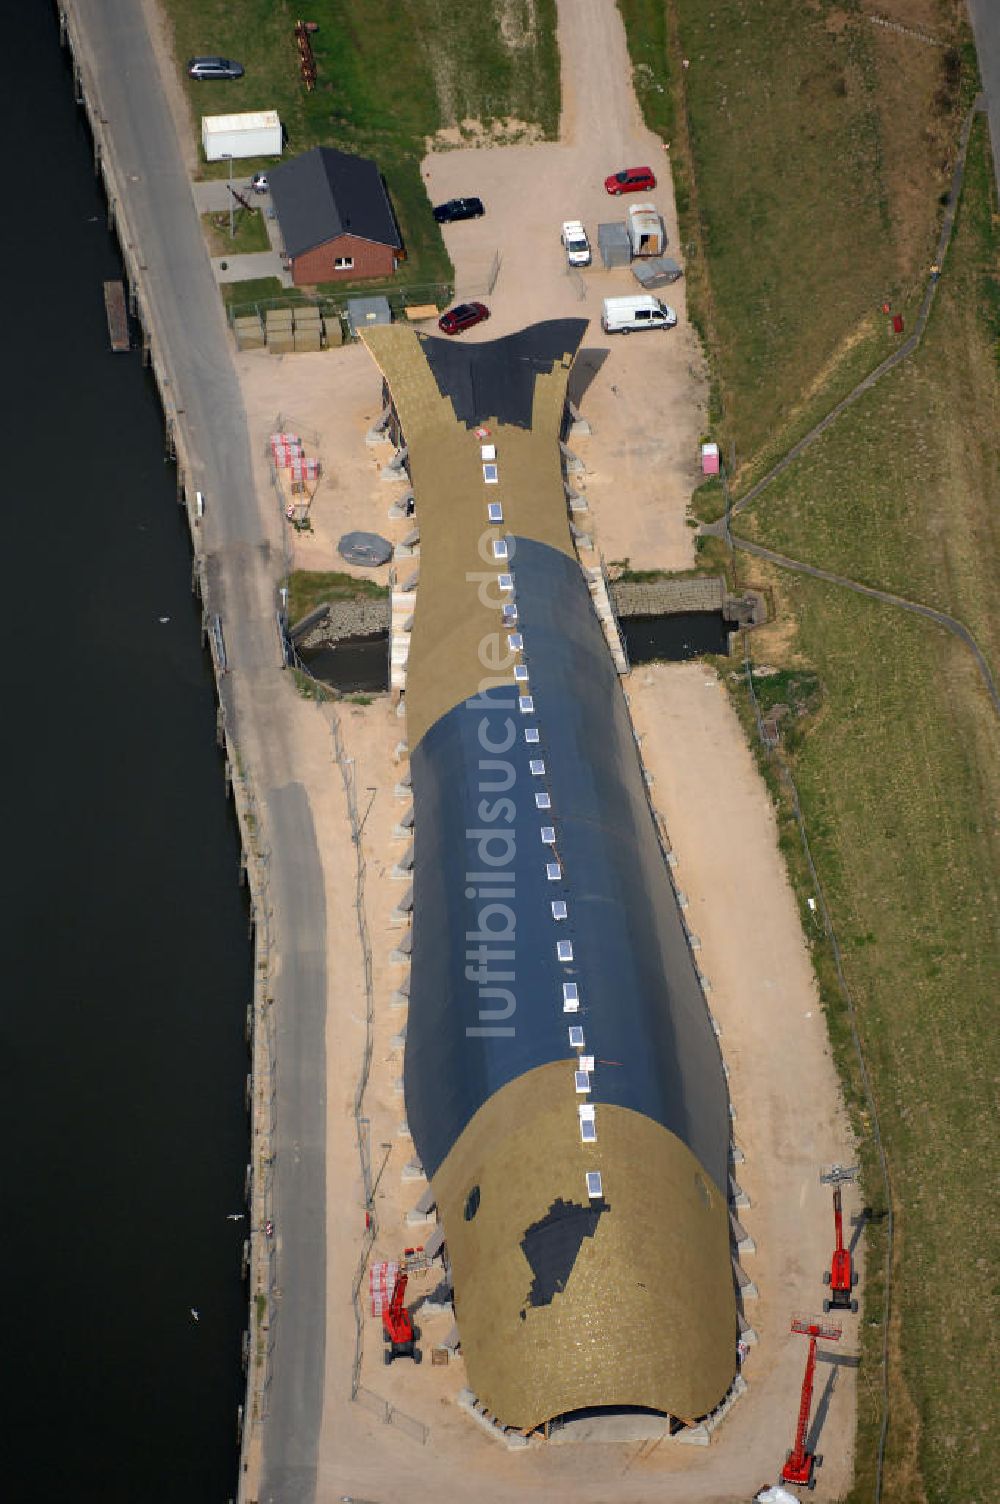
[363,312]
[614,244]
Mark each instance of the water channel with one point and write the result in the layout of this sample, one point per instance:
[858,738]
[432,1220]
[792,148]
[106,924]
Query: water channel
[124,931]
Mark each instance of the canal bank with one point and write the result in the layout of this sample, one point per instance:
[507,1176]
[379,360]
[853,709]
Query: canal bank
[127,967]
[236,559]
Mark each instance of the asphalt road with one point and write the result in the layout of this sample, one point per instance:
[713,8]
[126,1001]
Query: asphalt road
[985,18]
[187,314]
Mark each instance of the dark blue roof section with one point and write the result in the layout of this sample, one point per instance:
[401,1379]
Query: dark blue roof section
[496,378]
[482,897]
[326,193]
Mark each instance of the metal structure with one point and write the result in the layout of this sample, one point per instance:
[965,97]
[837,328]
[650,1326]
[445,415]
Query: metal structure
[397,1325]
[801,1464]
[841,1275]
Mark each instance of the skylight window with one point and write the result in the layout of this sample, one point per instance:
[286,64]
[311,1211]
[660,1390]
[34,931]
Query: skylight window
[548,835]
[531,735]
[559,910]
[553,872]
[505,581]
[491,474]
[542,801]
[571,997]
[595,1186]
[494,511]
[575,1037]
[537,767]
[564,950]
[520,673]
[582,1081]
[515,642]
[509,615]
[525,704]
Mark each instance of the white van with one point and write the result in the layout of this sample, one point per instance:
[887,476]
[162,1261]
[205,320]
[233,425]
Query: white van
[621,315]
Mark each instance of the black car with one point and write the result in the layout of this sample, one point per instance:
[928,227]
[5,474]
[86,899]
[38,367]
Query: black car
[214,67]
[459,208]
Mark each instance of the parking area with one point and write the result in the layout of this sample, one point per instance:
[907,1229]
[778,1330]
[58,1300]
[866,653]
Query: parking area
[646,398]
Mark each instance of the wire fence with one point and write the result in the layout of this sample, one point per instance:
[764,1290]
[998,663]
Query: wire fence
[335,306]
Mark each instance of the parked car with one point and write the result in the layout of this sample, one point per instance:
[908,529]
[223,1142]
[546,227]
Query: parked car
[462,316]
[631,180]
[259,183]
[203,68]
[459,208]
[577,246]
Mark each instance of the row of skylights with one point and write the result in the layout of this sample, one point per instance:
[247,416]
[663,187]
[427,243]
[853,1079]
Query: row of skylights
[584,1066]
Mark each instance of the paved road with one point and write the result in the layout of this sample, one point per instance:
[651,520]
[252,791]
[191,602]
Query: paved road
[985,17]
[243,564]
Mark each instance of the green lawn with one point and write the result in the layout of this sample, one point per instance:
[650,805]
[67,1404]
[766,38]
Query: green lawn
[899,779]
[250,233]
[901,492]
[809,149]
[899,776]
[389,77]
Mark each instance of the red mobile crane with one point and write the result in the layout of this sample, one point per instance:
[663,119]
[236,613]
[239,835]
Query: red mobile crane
[841,1275]
[800,1465]
[398,1330]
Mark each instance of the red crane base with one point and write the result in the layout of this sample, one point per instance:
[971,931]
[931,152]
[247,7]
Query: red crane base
[801,1472]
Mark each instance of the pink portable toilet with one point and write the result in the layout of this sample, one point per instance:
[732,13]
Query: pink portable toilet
[709,459]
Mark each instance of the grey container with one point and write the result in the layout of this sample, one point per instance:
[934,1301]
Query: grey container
[614,244]
[656,271]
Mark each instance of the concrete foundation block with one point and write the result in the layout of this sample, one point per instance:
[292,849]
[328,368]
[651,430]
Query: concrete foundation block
[693,1436]
[413,1171]
[419,1219]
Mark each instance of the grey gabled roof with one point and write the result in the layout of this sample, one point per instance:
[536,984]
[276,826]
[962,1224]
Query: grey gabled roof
[327,193]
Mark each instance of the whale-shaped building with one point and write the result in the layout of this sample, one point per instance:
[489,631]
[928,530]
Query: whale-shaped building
[564,1086]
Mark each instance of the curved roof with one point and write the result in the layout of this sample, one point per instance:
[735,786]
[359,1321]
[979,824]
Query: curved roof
[542,904]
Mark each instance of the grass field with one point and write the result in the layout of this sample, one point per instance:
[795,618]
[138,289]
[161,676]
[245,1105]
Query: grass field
[899,777]
[389,78]
[809,155]
[901,491]
[811,150]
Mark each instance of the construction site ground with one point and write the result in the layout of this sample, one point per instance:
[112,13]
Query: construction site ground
[645,404]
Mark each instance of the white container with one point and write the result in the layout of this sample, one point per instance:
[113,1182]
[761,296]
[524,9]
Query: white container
[645,230]
[255,134]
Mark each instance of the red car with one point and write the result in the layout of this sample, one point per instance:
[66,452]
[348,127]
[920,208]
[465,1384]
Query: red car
[462,316]
[631,180]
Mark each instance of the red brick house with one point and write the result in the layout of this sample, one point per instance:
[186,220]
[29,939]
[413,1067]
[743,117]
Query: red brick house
[335,217]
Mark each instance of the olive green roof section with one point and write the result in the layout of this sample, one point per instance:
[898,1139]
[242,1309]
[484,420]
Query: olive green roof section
[647,1312]
[458,642]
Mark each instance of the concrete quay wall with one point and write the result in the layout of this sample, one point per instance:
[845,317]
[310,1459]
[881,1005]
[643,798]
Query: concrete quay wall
[258,1251]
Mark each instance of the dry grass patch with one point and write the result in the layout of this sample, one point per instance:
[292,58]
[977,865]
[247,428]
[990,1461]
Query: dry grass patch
[900,492]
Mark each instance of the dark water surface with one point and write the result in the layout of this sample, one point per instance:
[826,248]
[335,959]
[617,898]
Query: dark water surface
[124,934]
[358,664]
[672,639]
